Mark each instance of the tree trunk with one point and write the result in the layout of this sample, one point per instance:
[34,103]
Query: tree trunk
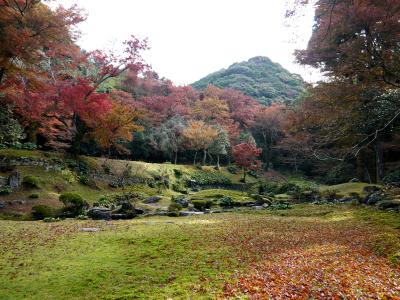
[244,175]
[360,166]
[204,157]
[2,72]
[195,156]
[380,166]
[218,161]
[79,134]
[31,133]
[176,157]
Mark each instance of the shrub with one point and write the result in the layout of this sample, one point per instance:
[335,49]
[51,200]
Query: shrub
[106,168]
[330,195]
[34,196]
[174,207]
[80,166]
[226,201]
[31,181]
[51,220]
[252,173]
[270,188]
[233,169]
[5,190]
[355,195]
[24,146]
[74,203]
[210,178]
[40,212]
[202,204]
[69,176]
[392,178]
[178,188]
[84,179]
[178,173]
[288,187]
[103,202]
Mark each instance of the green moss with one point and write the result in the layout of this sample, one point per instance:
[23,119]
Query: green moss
[236,196]
[345,189]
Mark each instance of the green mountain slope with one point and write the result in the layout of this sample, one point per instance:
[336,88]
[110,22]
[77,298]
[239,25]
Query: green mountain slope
[259,78]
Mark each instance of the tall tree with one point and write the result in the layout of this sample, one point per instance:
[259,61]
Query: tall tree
[116,127]
[199,136]
[29,30]
[169,137]
[246,157]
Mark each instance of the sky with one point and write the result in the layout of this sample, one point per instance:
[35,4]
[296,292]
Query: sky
[191,38]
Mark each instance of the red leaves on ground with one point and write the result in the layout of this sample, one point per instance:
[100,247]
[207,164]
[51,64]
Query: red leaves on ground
[322,260]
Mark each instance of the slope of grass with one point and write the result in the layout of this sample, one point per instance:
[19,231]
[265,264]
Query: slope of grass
[346,188]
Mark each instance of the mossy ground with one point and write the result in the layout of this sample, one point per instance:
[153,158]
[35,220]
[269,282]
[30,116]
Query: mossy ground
[180,258]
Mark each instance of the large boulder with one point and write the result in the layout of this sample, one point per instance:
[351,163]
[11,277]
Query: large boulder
[374,198]
[369,189]
[181,200]
[99,213]
[139,211]
[354,180]
[389,204]
[2,204]
[153,199]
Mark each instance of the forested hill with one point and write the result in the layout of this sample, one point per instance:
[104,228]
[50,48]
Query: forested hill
[259,78]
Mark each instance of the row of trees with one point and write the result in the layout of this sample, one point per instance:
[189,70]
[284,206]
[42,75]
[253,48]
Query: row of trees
[102,103]
[65,99]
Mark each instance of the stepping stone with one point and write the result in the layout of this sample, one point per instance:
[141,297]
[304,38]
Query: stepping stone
[90,229]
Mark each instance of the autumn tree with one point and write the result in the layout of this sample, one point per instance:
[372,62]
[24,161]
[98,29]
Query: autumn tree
[210,110]
[246,157]
[29,30]
[267,128]
[116,127]
[199,137]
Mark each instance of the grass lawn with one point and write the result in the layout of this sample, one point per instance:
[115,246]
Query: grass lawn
[308,251]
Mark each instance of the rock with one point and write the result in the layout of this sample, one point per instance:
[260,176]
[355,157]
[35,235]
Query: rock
[153,199]
[190,213]
[345,200]
[373,198]
[389,204]
[119,216]
[181,200]
[99,213]
[90,229]
[191,207]
[260,200]
[354,180]
[17,202]
[14,181]
[371,189]
[3,181]
[256,207]
[139,211]
[2,204]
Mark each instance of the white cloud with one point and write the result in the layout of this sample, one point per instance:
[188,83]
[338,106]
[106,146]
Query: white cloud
[190,38]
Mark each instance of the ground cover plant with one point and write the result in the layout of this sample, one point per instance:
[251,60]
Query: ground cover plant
[308,251]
